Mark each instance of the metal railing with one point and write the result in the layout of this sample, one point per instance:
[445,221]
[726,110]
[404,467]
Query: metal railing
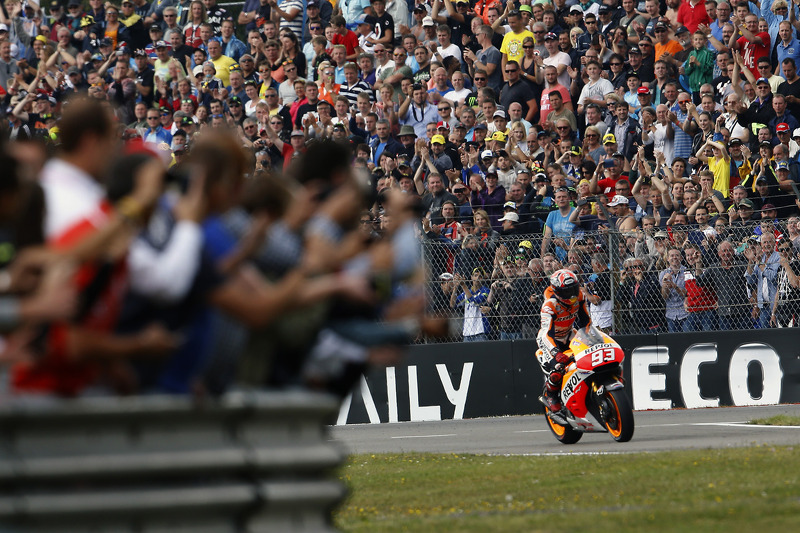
[250,462]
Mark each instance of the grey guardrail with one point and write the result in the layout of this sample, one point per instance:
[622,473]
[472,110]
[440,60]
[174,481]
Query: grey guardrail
[250,462]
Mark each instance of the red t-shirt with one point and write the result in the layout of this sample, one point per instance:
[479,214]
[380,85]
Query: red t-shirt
[607,185]
[544,103]
[349,40]
[752,52]
[54,371]
[698,298]
[692,16]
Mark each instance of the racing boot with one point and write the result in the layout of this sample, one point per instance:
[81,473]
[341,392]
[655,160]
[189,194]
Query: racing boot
[552,395]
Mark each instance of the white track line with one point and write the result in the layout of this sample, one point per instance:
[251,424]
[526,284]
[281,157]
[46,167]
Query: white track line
[424,436]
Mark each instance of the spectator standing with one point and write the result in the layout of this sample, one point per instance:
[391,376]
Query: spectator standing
[762,274]
[639,290]
[786,307]
[471,296]
[701,301]
[673,290]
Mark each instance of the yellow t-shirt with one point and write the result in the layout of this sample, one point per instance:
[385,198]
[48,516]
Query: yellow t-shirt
[722,174]
[512,44]
[221,64]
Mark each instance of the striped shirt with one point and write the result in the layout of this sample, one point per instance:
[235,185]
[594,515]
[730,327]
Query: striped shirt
[295,25]
[351,92]
[683,142]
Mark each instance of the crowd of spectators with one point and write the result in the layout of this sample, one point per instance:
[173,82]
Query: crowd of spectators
[652,146]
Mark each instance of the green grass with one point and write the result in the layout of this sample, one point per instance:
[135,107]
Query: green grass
[725,490]
[778,420]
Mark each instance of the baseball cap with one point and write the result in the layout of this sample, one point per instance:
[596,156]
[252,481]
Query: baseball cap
[681,29]
[528,8]
[419,9]
[746,203]
[511,205]
[762,80]
[796,133]
[481,126]
[499,136]
[186,121]
[575,150]
[487,154]
[781,165]
[551,36]
[427,21]
[363,19]
[161,44]
[660,26]
[105,41]
[442,124]
[73,70]
[437,139]
[510,216]
[736,141]
[618,200]
[634,50]
[609,138]
[604,9]
[98,57]
[139,53]
[235,100]
[499,113]
[762,180]
[765,144]
[782,127]
[312,3]
[298,133]
[661,235]
[155,27]
[575,8]
[643,90]
[769,207]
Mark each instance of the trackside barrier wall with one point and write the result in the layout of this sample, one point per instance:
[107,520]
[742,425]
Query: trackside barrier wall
[248,463]
[664,371]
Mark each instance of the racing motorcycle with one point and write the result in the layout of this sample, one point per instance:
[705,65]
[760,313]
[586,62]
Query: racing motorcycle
[592,391]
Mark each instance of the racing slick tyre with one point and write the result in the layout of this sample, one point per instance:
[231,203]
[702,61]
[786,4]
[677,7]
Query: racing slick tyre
[563,434]
[618,415]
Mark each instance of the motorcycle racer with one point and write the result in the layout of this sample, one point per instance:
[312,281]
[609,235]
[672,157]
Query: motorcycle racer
[564,309]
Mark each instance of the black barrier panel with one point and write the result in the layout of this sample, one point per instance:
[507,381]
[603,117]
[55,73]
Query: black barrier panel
[709,369]
[700,369]
[438,382]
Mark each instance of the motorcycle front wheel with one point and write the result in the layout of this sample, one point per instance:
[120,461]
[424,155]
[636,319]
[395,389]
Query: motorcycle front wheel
[563,434]
[618,415]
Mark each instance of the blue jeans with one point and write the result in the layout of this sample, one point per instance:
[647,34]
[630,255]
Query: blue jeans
[701,321]
[475,338]
[677,326]
[509,336]
[764,316]
[734,322]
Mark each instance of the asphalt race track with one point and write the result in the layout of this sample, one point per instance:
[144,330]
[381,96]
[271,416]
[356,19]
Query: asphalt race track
[526,435]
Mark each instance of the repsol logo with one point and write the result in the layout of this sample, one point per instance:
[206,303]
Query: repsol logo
[569,388]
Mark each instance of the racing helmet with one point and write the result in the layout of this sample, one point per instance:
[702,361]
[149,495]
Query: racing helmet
[565,285]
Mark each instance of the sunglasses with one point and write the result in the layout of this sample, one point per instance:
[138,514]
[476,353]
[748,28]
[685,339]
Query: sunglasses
[511,71]
[480,79]
[527,46]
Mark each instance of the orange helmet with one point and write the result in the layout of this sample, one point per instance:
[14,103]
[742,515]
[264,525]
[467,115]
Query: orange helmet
[565,285]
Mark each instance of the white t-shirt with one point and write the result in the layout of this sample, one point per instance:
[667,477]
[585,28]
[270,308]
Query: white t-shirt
[596,90]
[70,195]
[561,58]
[451,50]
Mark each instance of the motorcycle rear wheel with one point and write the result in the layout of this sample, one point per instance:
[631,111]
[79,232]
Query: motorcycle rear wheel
[618,415]
[564,434]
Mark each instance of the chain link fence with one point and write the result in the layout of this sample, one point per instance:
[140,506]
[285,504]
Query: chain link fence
[491,286]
